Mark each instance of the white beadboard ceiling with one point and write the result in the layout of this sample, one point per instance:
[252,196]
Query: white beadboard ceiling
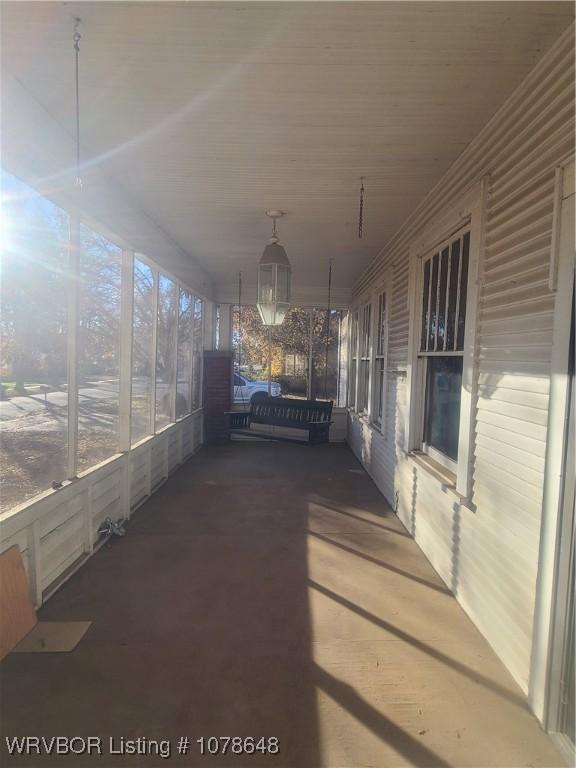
[209,113]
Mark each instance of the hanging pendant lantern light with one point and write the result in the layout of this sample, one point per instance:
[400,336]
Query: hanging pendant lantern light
[274,273]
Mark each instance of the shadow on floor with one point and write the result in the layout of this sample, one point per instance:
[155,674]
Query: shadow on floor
[268,590]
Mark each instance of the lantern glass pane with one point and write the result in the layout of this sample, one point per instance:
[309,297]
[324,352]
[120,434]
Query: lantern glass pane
[273,313]
[267,313]
[283,283]
[265,283]
[281,312]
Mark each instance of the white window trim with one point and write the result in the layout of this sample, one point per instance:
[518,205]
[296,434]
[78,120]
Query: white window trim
[383,287]
[354,321]
[471,211]
[366,306]
[542,696]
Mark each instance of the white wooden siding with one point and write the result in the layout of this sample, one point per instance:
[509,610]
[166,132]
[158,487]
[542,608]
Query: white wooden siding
[139,475]
[159,461]
[57,532]
[488,554]
[174,449]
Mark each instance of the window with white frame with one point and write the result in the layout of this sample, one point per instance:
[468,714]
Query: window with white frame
[444,281]
[353,360]
[364,361]
[441,376]
[379,380]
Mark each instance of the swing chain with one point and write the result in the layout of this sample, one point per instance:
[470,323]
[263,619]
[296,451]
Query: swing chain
[76,37]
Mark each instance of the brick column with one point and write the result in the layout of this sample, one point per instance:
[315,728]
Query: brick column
[217,395]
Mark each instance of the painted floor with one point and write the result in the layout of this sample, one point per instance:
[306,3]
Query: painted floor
[267,590]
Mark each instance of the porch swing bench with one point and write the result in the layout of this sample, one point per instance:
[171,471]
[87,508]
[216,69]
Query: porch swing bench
[309,415]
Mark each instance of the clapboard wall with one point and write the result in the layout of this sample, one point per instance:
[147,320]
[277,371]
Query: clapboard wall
[488,554]
[58,531]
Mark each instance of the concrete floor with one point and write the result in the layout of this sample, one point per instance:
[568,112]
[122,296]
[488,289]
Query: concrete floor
[267,590]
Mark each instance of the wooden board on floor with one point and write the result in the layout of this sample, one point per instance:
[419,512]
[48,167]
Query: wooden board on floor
[53,637]
[17,614]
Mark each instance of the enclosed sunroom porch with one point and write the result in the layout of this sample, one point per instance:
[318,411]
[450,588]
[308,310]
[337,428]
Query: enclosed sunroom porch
[221,223]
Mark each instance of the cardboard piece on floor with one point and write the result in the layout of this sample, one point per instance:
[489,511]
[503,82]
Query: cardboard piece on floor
[53,637]
[17,614]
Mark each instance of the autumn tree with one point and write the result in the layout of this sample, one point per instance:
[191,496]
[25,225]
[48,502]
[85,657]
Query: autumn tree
[250,338]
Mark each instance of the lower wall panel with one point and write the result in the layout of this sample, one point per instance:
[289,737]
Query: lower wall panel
[173,449]
[472,554]
[59,530]
[188,441]
[140,475]
[22,540]
[158,461]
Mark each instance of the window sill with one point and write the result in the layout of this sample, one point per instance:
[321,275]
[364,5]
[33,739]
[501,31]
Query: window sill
[446,478]
[436,469]
[363,418]
[362,415]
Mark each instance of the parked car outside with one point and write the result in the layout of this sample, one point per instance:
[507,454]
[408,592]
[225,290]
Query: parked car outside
[247,391]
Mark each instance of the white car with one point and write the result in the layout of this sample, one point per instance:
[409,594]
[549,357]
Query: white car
[246,391]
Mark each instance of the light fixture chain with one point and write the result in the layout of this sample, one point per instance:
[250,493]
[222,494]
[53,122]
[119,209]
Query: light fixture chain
[327,334]
[77,37]
[239,389]
[361,210]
